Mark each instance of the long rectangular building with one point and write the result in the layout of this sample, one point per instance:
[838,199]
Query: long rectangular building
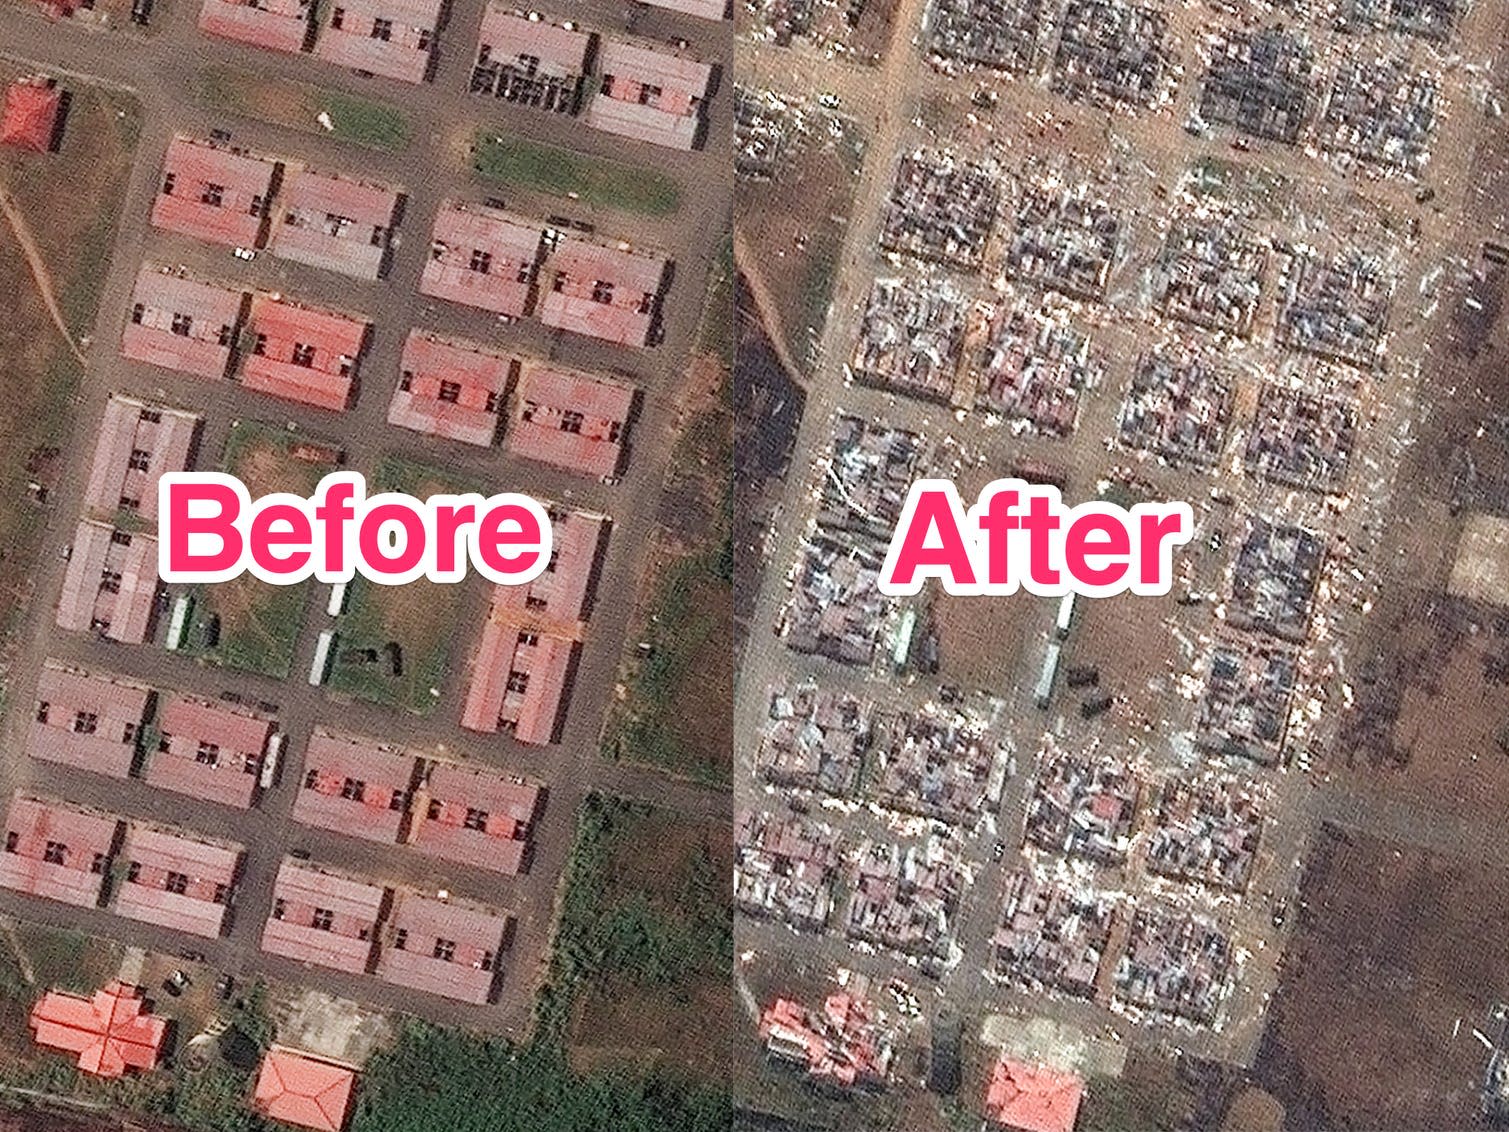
[612,293]
[181,323]
[475,817]
[482,257]
[214,193]
[176,880]
[207,750]
[357,786]
[450,389]
[137,444]
[277,25]
[650,95]
[570,419]
[302,354]
[57,851]
[325,918]
[88,720]
[336,223]
[531,62]
[392,38]
[111,583]
[443,947]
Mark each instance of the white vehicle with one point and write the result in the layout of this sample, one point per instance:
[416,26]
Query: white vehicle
[322,654]
[270,759]
[337,604]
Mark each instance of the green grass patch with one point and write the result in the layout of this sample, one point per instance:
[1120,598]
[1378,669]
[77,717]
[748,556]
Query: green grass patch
[299,106]
[716,335]
[548,169]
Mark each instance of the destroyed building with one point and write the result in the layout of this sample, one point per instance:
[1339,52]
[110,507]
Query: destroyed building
[906,900]
[1258,82]
[847,1044]
[814,739]
[784,868]
[836,608]
[1111,51]
[1210,273]
[1302,439]
[1176,964]
[911,337]
[936,762]
[1032,364]
[1274,578]
[1205,830]
[1336,308]
[866,479]
[761,120]
[1428,19]
[942,208]
[1249,684]
[1178,406]
[1379,109]
[1003,35]
[1082,806]
[1052,936]
[1065,239]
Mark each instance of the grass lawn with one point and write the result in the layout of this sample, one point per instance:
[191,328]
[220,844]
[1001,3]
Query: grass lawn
[420,618]
[561,173]
[298,106]
[259,623]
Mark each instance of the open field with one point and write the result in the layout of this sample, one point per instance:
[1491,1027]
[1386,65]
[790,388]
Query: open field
[72,232]
[394,642]
[541,168]
[299,106]
[255,626]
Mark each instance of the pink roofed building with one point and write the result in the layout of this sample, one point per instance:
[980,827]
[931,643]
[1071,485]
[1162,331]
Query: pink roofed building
[302,354]
[137,444]
[303,1090]
[524,658]
[530,62]
[357,786]
[111,583]
[277,25]
[177,881]
[208,750]
[455,390]
[29,118]
[570,419]
[475,817]
[324,918]
[442,947]
[181,323]
[703,9]
[57,851]
[650,95]
[336,223]
[392,38]
[214,193]
[110,1031]
[1032,1098]
[841,1045]
[482,257]
[603,292]
[87,720]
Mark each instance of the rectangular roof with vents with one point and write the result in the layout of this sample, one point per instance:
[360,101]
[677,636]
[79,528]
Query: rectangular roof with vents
[450,389]
[208,750]
[181,323]
[214,193]
[611,293]
[475,817]
[176,880]
[354,785]
[88,720]
[392,38]
[278,25]
[302,354]
[650,95]
[321,917]
[336,223]
[137,444]
[111,583]
[570,419]
[482,257]
[442,947]
[56,850]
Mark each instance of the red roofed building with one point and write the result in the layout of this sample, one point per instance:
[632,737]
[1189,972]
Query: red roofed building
[706,9]
[176,881]
[138,443]
[602,292]
[110,1031]
[571,419]
[650,95]
[475,817]
[87,720]
[482,257]
[182,324]
[450,389]
[214,193]
[111,583]
[842,1045]
[208,750]
[443,948]
[278,25]
[1032,1098]
[392,38]
[30,116]
[335,223]
[303,1090]
[356,786]
[302,354]
[530,62]
[529,641]
[57,851]
[320,917]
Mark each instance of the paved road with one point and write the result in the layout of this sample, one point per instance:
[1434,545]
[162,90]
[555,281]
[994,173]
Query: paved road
[158,69]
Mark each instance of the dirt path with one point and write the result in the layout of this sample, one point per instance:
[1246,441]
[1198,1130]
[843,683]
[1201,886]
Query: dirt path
[38,267]
[747,262]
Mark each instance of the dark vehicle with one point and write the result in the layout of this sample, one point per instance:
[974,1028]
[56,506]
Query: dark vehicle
[176,983]
[950,694]
[224,985]
[299,854]
[1097,706]
[1082,676]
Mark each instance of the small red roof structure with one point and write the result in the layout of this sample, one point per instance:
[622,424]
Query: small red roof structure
[1032,1098]
[482,257]
[57,851]
[208,750]
[442,947]
[86,720]
[111,583]
[335,223]
[570,419]
[322,917]
[278,25]
[304,1090]
[475,817]
[650,95]
[137,444]
[357,786]
[176,880]
[30,116]
[111,1031]
[612,293]
[181,323]
[450,389]
[214,193]
[302,354]
[842,1044]
[392,38]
